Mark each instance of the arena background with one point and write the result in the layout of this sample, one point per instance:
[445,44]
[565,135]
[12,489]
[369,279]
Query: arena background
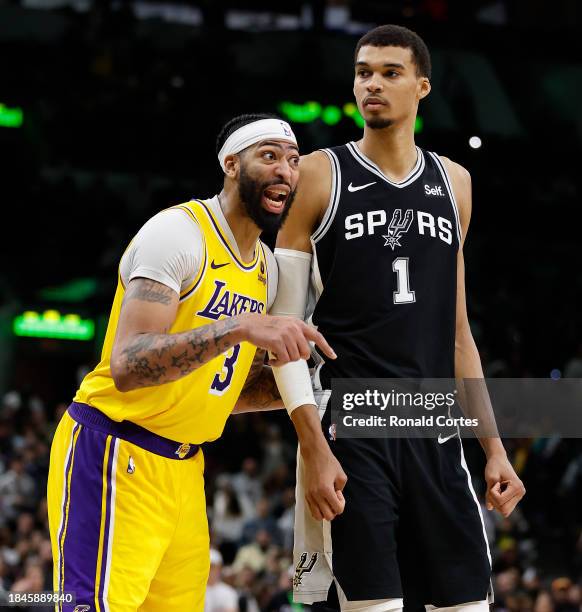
[109,112]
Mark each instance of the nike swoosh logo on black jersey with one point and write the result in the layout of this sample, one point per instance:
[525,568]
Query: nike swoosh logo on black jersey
[442,440]
[215,266]
[352,188]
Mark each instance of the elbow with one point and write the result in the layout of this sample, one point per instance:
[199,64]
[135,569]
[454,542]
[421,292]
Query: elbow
[122,384]
[459,344]
[463,337]
[121,377]
[465,345]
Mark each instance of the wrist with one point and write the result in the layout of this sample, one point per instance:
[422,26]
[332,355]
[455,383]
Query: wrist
[306,421]
[241,332]
[294,385]
[313,447]
[493,447]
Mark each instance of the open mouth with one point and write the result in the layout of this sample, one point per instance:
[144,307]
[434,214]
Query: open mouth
[274,199]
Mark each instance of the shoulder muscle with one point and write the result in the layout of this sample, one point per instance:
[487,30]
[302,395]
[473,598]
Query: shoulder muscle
[310,202]
[168,249]
[461,182]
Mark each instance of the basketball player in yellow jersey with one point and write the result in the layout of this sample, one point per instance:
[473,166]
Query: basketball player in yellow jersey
[126,500]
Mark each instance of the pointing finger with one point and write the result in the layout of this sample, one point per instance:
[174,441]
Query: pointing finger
[315,336]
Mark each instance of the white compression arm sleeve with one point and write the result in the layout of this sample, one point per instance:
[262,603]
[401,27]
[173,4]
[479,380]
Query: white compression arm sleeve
[293,379]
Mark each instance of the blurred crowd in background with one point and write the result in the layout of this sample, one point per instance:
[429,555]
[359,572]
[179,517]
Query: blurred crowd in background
[250,476]
[120,116]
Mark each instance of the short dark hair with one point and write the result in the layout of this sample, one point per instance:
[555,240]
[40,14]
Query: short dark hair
[236,123]
[399,36]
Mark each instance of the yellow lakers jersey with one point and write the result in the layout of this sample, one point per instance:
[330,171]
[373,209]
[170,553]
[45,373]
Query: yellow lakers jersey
[194,408]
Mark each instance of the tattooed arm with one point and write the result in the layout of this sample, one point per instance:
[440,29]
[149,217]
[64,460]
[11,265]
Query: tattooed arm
[260,391]
[144,353]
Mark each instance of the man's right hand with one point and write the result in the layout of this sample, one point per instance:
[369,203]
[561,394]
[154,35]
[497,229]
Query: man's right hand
[324,483]
[286,338]
[324,476]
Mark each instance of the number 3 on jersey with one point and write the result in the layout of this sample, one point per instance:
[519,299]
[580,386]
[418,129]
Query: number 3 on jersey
[223,379]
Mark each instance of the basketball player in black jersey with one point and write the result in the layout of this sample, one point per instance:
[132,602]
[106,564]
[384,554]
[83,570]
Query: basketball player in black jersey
[385,224]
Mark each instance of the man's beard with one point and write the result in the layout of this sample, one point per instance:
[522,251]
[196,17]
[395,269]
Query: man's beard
[251,195]
[376,123]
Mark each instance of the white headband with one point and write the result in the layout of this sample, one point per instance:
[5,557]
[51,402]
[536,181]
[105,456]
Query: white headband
[250,134]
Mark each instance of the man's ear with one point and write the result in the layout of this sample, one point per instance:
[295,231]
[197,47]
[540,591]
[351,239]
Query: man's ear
[424,88]
[232,165]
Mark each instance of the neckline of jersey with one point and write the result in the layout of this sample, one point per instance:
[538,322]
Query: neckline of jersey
[220,224]
[375,169]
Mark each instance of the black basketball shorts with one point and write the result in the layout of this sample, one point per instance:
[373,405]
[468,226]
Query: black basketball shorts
[412,526]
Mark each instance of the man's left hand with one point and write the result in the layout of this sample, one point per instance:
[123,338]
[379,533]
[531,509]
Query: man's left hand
[504,488]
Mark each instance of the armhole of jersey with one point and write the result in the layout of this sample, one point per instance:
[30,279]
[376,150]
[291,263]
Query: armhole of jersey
[336,181]
[119,265]
[262,247]
[314,293]
[189,291]
[449,188]
[316,281]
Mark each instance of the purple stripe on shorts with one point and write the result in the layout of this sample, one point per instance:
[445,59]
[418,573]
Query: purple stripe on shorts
[83,527]
[107,521]
[64,506]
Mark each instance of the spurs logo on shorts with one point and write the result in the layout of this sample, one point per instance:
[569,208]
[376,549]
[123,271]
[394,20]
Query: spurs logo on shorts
[302,568]
[183,450]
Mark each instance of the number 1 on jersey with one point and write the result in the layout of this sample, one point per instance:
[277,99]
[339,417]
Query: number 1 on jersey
[403,294]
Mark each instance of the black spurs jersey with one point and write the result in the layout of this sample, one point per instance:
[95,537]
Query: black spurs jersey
[385,270]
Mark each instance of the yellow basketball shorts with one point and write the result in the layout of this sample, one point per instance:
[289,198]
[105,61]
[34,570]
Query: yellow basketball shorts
[127,517]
